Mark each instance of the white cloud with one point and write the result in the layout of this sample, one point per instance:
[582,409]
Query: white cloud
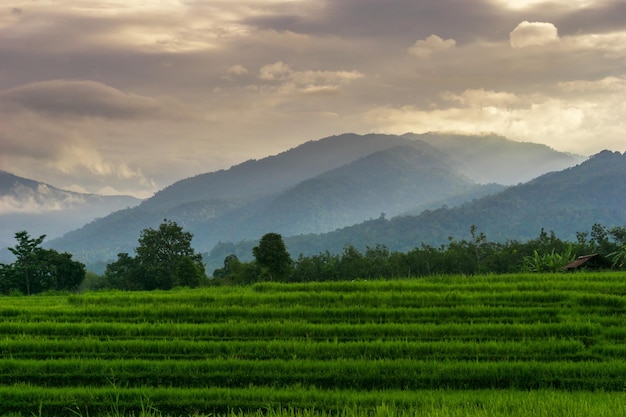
[308,81]
[482,98]
[525,4]
[612,45]
[565,123]
[276,71]
[237,70]
[603,86]
[23,199]
[425,48]
[533,34]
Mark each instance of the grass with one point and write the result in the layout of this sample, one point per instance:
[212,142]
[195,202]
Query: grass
[525,344]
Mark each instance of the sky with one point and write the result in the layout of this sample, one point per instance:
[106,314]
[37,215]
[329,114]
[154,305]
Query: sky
[129,96]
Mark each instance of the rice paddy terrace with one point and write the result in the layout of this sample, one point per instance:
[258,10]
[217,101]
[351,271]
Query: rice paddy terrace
[449,346]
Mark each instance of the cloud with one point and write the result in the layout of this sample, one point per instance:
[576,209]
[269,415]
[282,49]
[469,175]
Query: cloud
[61,150]
[136,95]
[86,99]
[602,86]
[24,199]
[611,45]
[237,70]
[482,98]
[276,71]
[533,34]
[565,122]
[425,48]
[287,80]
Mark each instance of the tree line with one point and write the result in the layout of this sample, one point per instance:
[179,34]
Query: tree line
[166,259]
[477,255]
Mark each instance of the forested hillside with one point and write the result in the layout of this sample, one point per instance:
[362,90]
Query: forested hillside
[564,202]
[315,188]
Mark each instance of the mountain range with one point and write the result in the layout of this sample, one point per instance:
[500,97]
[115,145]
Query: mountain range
[564,202]
[40,208]
[322,186]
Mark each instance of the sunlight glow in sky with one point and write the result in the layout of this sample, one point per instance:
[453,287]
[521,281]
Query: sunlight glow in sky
[115,96]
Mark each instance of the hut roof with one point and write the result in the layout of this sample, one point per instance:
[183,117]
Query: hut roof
[594,261]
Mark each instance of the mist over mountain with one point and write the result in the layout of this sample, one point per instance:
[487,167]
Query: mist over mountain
[254,178]
[40,208]
[496,159]
[316,187]
[386,181]
[564,202]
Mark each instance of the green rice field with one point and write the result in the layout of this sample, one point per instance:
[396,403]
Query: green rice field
[494,345]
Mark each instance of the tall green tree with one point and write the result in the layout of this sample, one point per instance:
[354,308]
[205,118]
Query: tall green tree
[162,250]
[164,259]
[27,266]
[36,269]
[272,258]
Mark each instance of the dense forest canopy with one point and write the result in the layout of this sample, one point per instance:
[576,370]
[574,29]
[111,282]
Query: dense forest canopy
[165,259]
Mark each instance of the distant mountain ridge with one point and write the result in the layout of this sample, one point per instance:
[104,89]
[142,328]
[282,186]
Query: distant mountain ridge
[386,181]
[496,159]
[565,202]
[316,187]
[275,173]
[40,208]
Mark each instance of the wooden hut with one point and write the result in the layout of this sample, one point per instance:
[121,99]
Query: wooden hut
[588,262]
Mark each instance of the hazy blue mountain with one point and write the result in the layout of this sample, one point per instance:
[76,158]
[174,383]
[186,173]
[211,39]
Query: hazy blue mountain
[565,202]
[40,208]
[316,187]
[273,174]
[387,181]
[214,205]
[496,159]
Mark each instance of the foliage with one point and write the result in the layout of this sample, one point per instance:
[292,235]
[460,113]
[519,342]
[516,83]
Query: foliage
[473,256]
[272,258]
[38,270]
[164,259]
[548,262]
[619,257]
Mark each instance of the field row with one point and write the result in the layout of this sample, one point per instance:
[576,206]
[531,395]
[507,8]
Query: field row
[431,291]
[508,296]
[547,350]
[338,374]
[477,313]
[305,402]
[587,331]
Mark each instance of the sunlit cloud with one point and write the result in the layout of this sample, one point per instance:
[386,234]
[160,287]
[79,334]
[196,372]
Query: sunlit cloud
[425,48]
[533,34]
[287,80]
[564,123]
[527,4]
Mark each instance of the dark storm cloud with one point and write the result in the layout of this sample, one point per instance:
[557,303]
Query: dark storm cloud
[463,20]
[82,98]
[601,18]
